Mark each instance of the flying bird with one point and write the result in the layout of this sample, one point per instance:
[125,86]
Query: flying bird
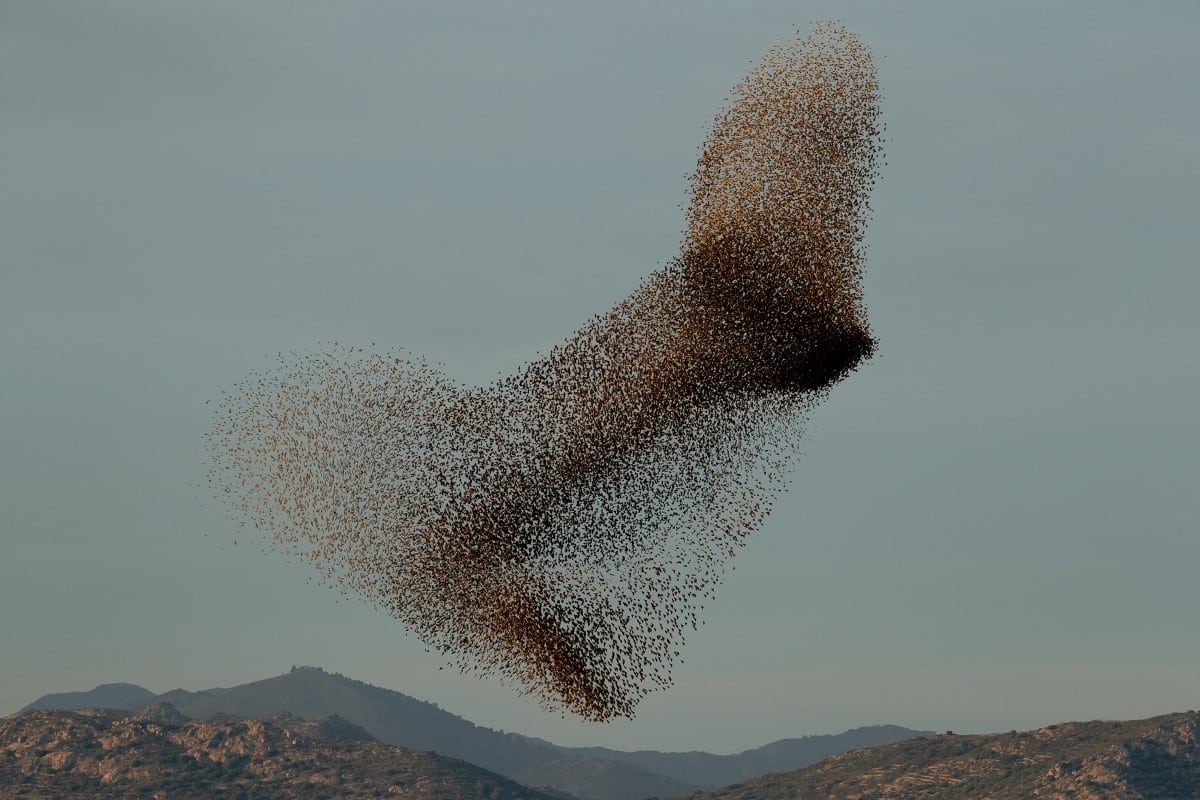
[564,526]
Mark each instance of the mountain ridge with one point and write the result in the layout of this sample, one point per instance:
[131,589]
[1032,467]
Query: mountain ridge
[399,719]
[699,767]
[106,695]
[160,752]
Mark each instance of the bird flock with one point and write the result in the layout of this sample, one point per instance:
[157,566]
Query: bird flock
[563,527]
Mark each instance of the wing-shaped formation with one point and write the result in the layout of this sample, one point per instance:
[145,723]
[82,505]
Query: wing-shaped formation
[563,526]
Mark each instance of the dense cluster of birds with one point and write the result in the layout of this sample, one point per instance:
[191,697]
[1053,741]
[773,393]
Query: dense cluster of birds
[563,526]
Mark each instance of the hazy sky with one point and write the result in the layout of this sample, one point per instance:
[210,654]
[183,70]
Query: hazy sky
[994,524]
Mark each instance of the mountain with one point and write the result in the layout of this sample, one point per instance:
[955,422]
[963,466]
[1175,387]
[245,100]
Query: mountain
[601,779]
[710,771]
[391,717]
[588,773]
[1155,758]
[160,753]
[108,695]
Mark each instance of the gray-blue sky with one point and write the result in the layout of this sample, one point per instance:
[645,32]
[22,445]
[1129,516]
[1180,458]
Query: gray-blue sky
[994,524]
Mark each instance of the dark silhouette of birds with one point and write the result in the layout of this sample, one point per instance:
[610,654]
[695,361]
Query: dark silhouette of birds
[563,527]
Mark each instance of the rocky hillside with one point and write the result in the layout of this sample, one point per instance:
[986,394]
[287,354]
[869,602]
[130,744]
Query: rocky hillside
[1155,758]
[160,753]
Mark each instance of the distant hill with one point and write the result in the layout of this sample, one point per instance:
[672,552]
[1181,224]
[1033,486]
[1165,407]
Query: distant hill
[591,773]
[108,695]
[1156,759]
[601,779]
[710,771]
[159,753]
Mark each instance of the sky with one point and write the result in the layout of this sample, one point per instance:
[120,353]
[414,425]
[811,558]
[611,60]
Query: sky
[994,524]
